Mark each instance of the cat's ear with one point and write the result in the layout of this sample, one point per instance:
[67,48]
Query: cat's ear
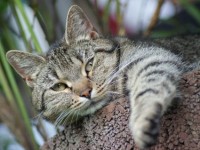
[27,65]
[78,26]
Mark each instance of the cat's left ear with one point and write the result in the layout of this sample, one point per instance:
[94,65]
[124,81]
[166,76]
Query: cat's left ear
[78,26]
[27,65]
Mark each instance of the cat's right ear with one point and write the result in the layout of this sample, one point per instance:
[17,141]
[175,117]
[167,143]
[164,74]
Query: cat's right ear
[78,26]
[27,65]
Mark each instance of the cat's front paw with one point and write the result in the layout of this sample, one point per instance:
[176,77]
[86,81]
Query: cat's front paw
[146,129]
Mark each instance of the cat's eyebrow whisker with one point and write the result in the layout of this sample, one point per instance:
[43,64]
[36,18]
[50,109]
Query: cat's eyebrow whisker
[115,81]
[114,71]
[111,82]
[119,70]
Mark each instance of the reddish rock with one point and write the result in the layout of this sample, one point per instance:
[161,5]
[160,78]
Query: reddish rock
[183,135]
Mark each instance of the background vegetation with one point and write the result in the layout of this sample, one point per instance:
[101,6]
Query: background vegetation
[15,101]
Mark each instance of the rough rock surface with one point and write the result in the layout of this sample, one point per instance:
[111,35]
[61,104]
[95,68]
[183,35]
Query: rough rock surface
[108,128]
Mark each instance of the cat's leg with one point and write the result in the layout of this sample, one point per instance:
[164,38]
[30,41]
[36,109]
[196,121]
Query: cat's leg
[150,95]
[146,113]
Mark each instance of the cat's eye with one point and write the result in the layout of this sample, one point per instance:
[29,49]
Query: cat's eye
[59,87]
[89,65]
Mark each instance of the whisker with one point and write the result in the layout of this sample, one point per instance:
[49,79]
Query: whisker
[111,83]
[74,113]
[62,116]
[114,71]
[58,119]
[69,114]
[38,116]
[123,66]
[116,68]
[113,92]
[115,81]
[77,115]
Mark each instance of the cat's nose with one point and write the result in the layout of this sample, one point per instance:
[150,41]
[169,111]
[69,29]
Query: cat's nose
[86,93]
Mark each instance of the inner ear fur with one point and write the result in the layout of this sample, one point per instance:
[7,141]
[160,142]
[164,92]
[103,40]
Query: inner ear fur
[78,26]
[27,65]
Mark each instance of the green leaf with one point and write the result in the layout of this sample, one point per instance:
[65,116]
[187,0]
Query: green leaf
[20,6]
[191,9]
[3,5]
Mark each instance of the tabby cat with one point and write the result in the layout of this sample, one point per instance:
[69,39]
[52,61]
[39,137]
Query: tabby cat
[83,70]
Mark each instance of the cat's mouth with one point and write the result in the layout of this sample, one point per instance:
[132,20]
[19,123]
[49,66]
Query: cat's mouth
[86,107]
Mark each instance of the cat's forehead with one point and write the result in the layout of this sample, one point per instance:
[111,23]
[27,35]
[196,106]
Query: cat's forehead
[82,50]
[63,64]
[83,47]
[66,61]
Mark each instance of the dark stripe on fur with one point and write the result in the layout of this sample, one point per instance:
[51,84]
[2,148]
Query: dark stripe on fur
[166,86]
[151,80]
[156,63]
[169,75]
[146,91]
[118,53]
[55,74]
[42,107]
[133,63]
[115,46]
[124,81]
[68,58]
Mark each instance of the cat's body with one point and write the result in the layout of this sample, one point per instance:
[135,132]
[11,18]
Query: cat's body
[81,73]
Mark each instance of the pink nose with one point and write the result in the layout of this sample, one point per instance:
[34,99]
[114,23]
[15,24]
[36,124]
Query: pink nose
[86,93]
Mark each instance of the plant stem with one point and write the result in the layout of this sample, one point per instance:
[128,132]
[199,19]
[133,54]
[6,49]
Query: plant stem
[6,88]
[19,25]
[17,95]
[30,28]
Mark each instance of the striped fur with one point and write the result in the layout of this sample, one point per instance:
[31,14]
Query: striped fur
[81,73]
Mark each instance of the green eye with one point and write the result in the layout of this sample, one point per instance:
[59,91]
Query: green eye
[89,65]
[59,87]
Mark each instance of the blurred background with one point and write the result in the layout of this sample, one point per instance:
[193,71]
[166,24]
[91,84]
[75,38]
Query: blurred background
[33,25]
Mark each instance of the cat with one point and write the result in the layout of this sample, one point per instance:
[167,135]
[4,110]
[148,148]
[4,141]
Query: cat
[82,71]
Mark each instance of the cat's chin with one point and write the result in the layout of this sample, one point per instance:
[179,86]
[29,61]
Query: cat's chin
[96,104]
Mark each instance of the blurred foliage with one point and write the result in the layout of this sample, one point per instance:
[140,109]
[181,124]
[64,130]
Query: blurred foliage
[185,21]
[13,107]
[15,116]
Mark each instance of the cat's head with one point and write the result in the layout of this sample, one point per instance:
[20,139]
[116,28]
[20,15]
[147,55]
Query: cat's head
[74,78]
